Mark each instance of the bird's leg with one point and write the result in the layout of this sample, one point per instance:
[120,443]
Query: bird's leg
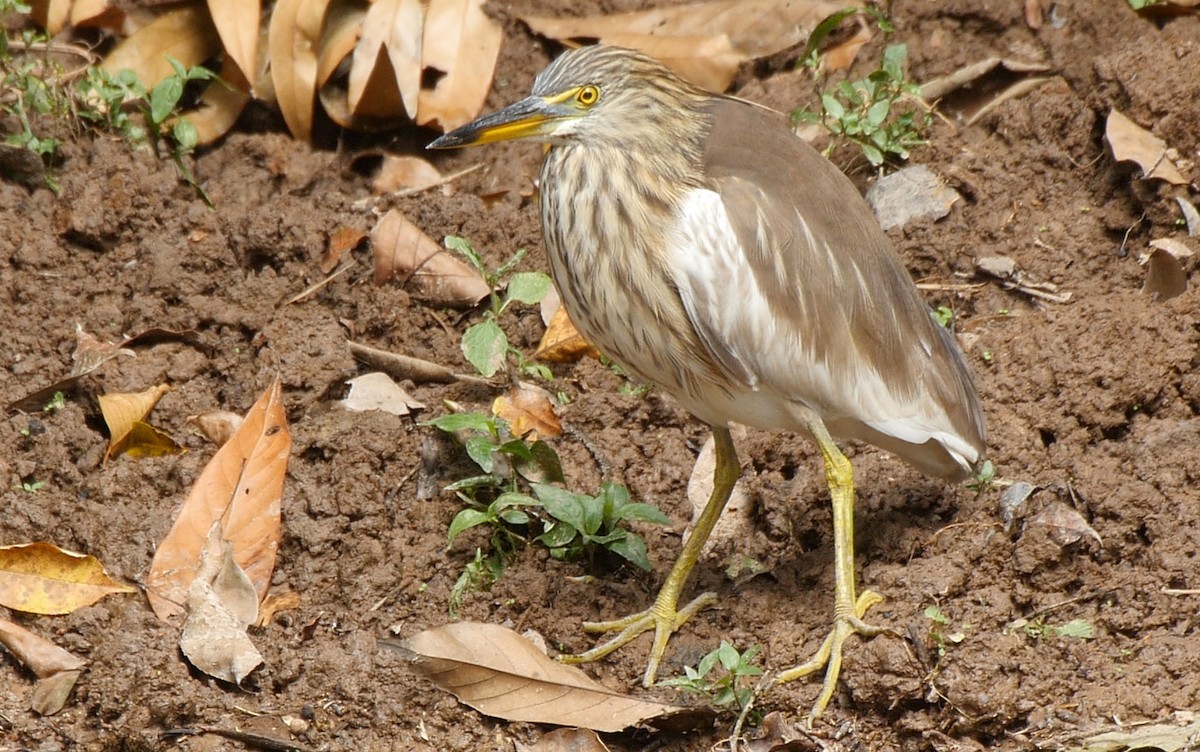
[664,617]
[848,607]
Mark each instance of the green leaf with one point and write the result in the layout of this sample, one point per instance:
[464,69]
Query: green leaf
[644,513]
[633,549]
[872,153]
[517,448]
[475,482]
[561,504]
[513,499]
[515,517]
[893,61]
[185,135]
[1080,629]
[729,656]
[878,112]
[823,30]
[479,449]
[707,662]
[463,247]
[462,422]
[558,534]
[545,466]
[593,514]
[528,287]
[833,108]
[485,345]
[465,520]
[164,97]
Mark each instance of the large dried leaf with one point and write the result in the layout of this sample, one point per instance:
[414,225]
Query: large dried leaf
[241,487]
[565,740]
[237,25]
[51,15]
[1130,141]
[386,65]
[340,31]
[1165,276]
[463,43]
[500,673]
[186,33]
[404,172]
[220,105]
[292,38]
[403,252]
[377,391]
[741,29]
[562,342]
[222,603]
[41,578]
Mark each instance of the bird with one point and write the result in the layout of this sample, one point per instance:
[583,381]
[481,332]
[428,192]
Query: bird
[709,251]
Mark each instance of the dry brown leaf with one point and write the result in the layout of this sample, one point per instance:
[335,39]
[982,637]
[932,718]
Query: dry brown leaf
[1064,524]
[377,391]
[562,342]
[287,600]
[500,673]
[241,487]
[51,15]
[529,410]
[404,366]
[403,252]
[565,740]
[1131,142]
[91,352]
[144,440]
[293,38]
[1165,276]
[841,56]
[51,694]
[340,240]
[38,654]
[385,71]
[340,31]
[218,426]
[710,61]
[974,90]
[463,43]
[122,410]
[186,33]
[220,104]
[222,604]
[402,171]
[750,28]
[41,578]
[778,736]
[237,26]
[97,13]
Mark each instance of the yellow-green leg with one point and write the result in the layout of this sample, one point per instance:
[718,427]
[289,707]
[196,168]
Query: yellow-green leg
[848,608]
[664,617]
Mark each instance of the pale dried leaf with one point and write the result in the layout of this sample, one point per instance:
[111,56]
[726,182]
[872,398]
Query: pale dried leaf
[499,673]
[402,251]
[51,694]
[51,15]
[39,655]
[237,25]
[242,487]
[376,391]
[97,13]
[914,192]
[1159,736]
[122,410]
[736,522]
[1064,524]
[402,366]
[403,171]
[463,43]
[709,61]
[218,426]
[565,740]
[1131,142]
[386,65]
[222,603]
[755,28]
[340,240]
[529,410]
[293,38]
[340,32]
[275,602]
[1165,276]
[91,352]
[186,33]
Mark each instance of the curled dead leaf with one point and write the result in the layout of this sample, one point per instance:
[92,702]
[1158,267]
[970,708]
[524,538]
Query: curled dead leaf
[125,415]
[500,673]
[185,32]
[404,172]
[1166,277]
[385,72]
[376,391]
[529,410]
[1131,142]
[562,342]
[463,43]
[41,578]
[293,38]
[565,740]
[39,655]
[218,426]
[1064,524]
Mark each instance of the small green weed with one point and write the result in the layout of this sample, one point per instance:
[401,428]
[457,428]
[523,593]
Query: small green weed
[944,315]
[729,686]
[882,114]
[56,403]
[514,499]
[1038,629]
[485,344]
[984,478]
[33,486]
[941,633]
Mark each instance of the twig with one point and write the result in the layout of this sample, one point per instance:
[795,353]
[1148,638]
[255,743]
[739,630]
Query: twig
[406,192]
[315,287]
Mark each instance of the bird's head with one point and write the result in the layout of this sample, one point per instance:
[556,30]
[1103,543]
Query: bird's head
[597,94]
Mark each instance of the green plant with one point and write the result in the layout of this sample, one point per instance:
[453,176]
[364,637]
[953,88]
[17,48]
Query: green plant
[985,477]
[32,88]
[1079,629]
[940,630]
[56,403]
[32,486]
[485,344]
[882,114]
[514,499]
[944,315]
[727,687]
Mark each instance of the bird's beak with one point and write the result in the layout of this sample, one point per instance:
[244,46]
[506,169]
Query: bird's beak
[529,118]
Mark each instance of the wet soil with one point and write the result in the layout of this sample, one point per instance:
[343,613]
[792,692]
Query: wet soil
[1093,401]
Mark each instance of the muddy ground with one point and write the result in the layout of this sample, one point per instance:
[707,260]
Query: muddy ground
[1094,401]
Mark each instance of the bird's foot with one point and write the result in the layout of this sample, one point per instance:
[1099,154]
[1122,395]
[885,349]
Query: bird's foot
[829,657]
[662,617]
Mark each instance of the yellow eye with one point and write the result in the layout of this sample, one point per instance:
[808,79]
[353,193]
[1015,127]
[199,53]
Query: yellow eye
[587,95]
